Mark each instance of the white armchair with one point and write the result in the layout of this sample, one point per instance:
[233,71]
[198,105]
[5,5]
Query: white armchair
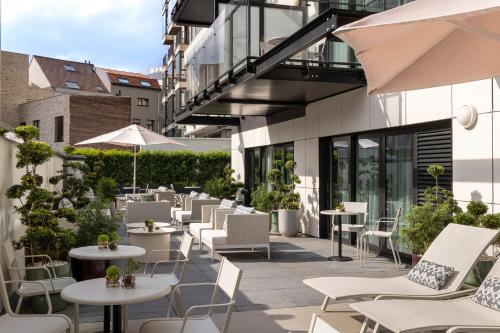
[239,232]
[142,211]
[192,214]
[211,216]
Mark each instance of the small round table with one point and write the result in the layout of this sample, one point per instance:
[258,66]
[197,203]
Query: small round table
[158,239]
[333,214]
[141,225]
[93,253]
[95,292]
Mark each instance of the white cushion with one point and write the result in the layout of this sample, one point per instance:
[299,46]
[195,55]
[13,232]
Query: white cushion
[204,196]
[33,323]
[195,228]
[226,204]
[182,215]
[35,288]
[193,194]
[214,237]
[243,210]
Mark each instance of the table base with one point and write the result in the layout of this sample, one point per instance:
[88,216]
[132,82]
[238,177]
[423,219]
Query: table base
[340,258]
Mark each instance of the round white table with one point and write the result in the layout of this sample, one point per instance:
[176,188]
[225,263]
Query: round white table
[93,253]
[158,239]
[142,225]
[333,214]
[95,292]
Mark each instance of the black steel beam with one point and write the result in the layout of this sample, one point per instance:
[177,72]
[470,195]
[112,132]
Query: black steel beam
[209,120]
[260,102]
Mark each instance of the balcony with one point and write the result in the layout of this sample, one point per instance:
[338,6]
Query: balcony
[193,12]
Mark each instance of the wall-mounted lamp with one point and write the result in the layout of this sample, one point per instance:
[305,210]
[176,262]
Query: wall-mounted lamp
[467,116]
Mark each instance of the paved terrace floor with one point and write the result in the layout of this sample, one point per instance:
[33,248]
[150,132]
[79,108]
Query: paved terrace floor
[272,297]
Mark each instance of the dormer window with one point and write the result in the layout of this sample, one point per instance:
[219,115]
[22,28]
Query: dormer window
[123,80]
[145,84]
[70,68]
[72,85]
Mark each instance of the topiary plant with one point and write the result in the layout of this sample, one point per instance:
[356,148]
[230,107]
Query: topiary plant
[225,187]
[284,194]
[477,208]
[106,189]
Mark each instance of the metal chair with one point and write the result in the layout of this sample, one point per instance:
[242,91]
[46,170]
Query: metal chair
[357,207]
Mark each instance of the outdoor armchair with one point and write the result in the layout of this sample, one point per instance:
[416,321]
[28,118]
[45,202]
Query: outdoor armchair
[142,211]
[43,323]
[420,314]
[25,288]
[239,232]
[457,246]
[167,195]
[192,214]
[227,283]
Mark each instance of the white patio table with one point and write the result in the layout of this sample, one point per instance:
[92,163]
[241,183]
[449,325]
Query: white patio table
[93,253]
[158,239]
[95,292]
[336,215]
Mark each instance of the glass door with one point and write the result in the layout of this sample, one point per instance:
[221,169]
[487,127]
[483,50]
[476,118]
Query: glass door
[340,184]
[368,182]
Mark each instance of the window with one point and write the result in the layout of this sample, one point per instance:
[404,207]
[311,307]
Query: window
[70,68]
[22,123]
[143,101]
[145,84]
[123,80]
[150,124]
[36,123]
[59,129]
[136,121]
[99,89]
[72,85]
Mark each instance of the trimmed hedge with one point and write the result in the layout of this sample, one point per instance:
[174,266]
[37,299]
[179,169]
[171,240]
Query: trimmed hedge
[156,168]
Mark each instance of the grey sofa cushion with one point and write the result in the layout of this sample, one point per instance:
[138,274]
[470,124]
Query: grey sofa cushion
[430,274]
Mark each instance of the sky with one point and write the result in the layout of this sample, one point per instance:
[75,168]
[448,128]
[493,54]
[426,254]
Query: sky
[120,34]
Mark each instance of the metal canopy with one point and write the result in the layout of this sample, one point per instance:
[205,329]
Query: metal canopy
[209,120]
[194,12]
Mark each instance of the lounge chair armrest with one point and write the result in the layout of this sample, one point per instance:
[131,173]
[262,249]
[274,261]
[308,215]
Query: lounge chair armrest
[447,296]
[45,291]
[473,329]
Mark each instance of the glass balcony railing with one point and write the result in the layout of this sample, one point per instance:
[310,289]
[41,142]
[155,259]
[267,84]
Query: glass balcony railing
[244,32]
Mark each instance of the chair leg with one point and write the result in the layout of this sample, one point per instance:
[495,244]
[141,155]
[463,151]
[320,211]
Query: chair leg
[358,246]
[19,303]
[269,252]
[376,328]
[364,328]
[332,242]
[394,254]
[325,303]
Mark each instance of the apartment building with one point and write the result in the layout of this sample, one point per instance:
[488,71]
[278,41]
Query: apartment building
[145,95]
[177,38]
[298,93]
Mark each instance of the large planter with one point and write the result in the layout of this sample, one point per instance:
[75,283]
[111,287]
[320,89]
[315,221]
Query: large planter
[61,268]
[288,222]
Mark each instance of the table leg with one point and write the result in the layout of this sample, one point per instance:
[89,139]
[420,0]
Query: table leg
[339,257]
[339,220]
[125,319]
[77,318]
[117,319]
[107,308]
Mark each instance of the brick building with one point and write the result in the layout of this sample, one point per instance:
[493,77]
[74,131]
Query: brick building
[13,86]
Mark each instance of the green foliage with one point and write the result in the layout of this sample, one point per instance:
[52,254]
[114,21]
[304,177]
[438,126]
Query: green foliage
[33,153]
[490,221]
[465,219]
[53,241]
[27,132]
[113,271]
[224,187]
[102,238]
[106,189]
[156,167]
[114,236]
[425,222]
[150,223]
[131,267]
[92,221]
[477,208]
[262,199]
[284,195]
[340,207]
[69,150]
[3,131]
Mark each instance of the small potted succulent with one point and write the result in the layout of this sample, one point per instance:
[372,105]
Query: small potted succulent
[102,242]
[340,208]
[151,225]
[112,276]
[128,280]
[113,241]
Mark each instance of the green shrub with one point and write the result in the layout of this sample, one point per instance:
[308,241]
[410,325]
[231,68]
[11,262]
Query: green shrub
[106,189]
[156,167]
[113,271]
[465,219]
[477,208]
[224,187]
[490,221]
[93,221]
[284,195]
[262,199]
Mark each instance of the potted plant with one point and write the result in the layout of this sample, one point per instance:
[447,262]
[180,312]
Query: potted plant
[287,199]
[425,222]
[129,278]
[112,276]
[150,224]
[340,208]
[102,242]
[114,238]
[224,188]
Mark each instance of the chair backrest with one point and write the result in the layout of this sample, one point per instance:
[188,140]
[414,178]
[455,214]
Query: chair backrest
[166,195]
[142,211]
[318,325]
[10,258]
[459,246]
[184,251]
[357,207]
[228,279]
[396,220]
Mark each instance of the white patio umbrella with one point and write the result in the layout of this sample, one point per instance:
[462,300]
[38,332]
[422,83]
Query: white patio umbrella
[131,136]
[427,43]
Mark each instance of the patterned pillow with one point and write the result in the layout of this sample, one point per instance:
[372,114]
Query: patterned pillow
[204,196]
[243,210]
[489,293]
[430,274]
[134,197]
[193,194]
[226,204]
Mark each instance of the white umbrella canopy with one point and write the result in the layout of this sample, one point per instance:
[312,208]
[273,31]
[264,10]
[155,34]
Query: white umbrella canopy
[427,43]
[131,136]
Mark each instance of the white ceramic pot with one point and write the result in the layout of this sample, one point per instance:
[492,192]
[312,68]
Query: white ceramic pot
[288,222]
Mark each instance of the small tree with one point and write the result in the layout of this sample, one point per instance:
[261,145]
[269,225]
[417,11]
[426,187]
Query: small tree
[283,195]
[225,187]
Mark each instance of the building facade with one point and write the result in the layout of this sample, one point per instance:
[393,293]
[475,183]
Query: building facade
[13,86]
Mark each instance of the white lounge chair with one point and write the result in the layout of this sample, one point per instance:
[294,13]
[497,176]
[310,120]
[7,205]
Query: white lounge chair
[423,314]
[318,325]
[228,281]
[240,232]
[192,214]
[357,207]
[390,234]
[11,322]
[142,211]
[457,246]
[24,288]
